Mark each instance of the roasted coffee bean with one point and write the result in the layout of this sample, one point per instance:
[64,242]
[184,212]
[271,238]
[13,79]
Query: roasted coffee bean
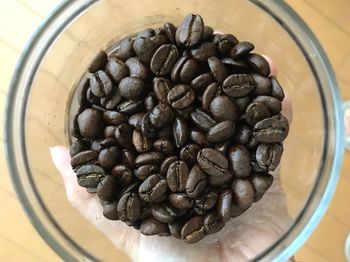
[108,157]
[189,71]
[107,188]
[256,112]
[98,62]
[90,175]
[166,163]
[170,30]
[90,123]
[177,176]
[152,226]
[203,51]
[129,207]
[83,87]
[235,66]
[193,230]
[164,212]
[223,206]
[131,87]
[236,211]
[84,158]
[93,100]
[135,121]
[224,179]
[243,193]
[161,115]
[144,48]
[137,69]
[242,134]
[181,132]
[206,201]
[164,59]
[146,212]
[226,43]
[176,70]
[123,174]
[143,172]
[185,113]
[268,156]
[100,84]
[253,143]
[148,32]
[273,104]
[217,68]
[271,130]
[113,118]
[212,162]
[242,103]
[209,94]
[153,188]
[199,138]
[212,223]
[141,143]
[261,183]
[132,188]
[112,101]
[259,64]
[126,49]
[202,81]
[238,85]
[161,88]
[221,131]
[181,96]
[130,107]
[99,145]
[207,33]
[180,201]
[241,49]
[190,31]
[175,228]
[164,145]
[222,146]
[277,90]
[189,153]
[128,157]
[116,69]
[147,129]
[255,165]
[239,159]
[160,40]
[196,182]
[110,210]
[153,157]
[123,134]
[150,102]
[262,85]
[222,108]
[202,120]
[78,146]
[166,132]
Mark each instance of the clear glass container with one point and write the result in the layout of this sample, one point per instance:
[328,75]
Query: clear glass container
[58,55]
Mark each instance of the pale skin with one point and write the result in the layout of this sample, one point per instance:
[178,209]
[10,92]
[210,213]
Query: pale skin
[240,240]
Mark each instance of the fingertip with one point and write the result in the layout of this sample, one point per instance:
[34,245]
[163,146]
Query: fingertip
[287,108]
[273,69]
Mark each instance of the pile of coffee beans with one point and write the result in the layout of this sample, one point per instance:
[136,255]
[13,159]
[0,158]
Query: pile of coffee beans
[178,130]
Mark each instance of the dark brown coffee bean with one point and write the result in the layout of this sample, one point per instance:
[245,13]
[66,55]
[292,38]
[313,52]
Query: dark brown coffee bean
[181,132]
[129,207]
[209,94]
[126,49]
[144,48]
[199,138]
[236,211]
[145,211]
[242,103]
[90,123]
[268,156]
[78,146]
[147,129]
[137,69]
[164,59]
[222,146]
[202,81]
[241,49]
[108,157]
[203,51]
[217,68]
[193,230]
[116,69]
[261,183]
[107,188]
[226,43]
[150,102]
[222,108]
[207,33]
[212,162]
[181,96]
[131,87]
[202,120]
[242,134]
[180,201]
[259,64]
[123,134]
[135,120]
[99,145]
[153,157]
[113,118]
[262,85]
[253,143]
[128,157]
[271,130]
[123,175]
[112,101]
[98,62]
[196,182]
[166,132]
[170,30]
[277,90]
[153,188]
[143,172]
[273,104]
[217,181]
[177,176]
[243,193]
[84,158]
[189,153]
[223,206]
[83,87]
[189,71]
[221,131]
[130,107]
[160,40]
[238,85]
[152,226]
[175,72]
[185,113]
[256,112]
[175,228]
[161,88]
[234,66]
[164,212]
[141,143]
[239,161]
[132,188]
[206,201]
[161,115]
[148,32]
[166,163]
[93,100]
[212,223]
[255,166]
[90,175]
[164,145]
[110,210]
[190,31]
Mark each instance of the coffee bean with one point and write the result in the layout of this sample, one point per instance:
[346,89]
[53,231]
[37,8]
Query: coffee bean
[222,146]
[175,228]
[147,129]
[89,175]
[153,157]
[176,70]
[126,49]
[110,210]
[93,100]
[203,51]
[223,179]
[180,201]
[132,188]
[261,182]
[212,223]
[170,30]
[262,85]
[153,188]
[222,108]
[217,68]
[135,121]
[148,32]
[239,161]
[164,145]
[209,95]
[235,66]
[165,164]
[181,96]
[256,112]
[226,43]
[243,193]
[143,172]
[151,226]
[98,62]
[108,157]
[99,145]
[160,40]
[223,206]
[164,212]
[241,49]
[177,176]
[83,158]
[193,230]
[273,104]
[277,90]
[141,143]
[271,130]
[150,102]
[144,48]
[107,188]
[206,201]
[268,156]
[130,107]
[190,31]
[123,134]
[238,85]
[212,162]
[253,143]
[90,123]
[207,33]
[221,131]
[242,134]
[128,157]
[196,182]
[161,115]
[236,211]
[129,207]
[112,101]
[166,132]
[242,103]
[164,59]
[202,120]
[189,154]
[123,175]
[199,138]
[113,118]
[189,71]
[259,64]
[161,88]
[78,146]
[137,69]
[131,87]
[146,211]
[116,69]
[181,132]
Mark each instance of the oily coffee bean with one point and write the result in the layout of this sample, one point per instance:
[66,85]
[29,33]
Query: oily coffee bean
[196,182]
[189,153]
[123,134]
[108,157]
[164,145]
[222,146]
[236,211]
[212,162]
[135,121]
[93,100]
[206,201]
[147,129]
[203,51]
[226,43]
[113,118]
[243,193]
[190,31]
[129,207]
[164,59]
[255,166]
[193,230]
[82,89]
[213,223]
[242,103]
[123,175]
[181,132]
[90,175]
[262,85]
[177,176]
[223,206]
[180,201]
[189,71]
[238,85]
[137,68]
[175,228]
[107,188]
[235,66]
[126,49]
[256,112]
[149,32]
[217,68]
[152,226]
[202,81]
[98,62]
[90,123]
[271,130]
[221,131]
[207,33]
[223,179]
[268,156]
[253,143]
[150,102]
[116,69]
[131,87]
[165,132]
[99,145]
[84,158]
[239,159]
[153,188]
[277,90]
[180,96]
[132,188]
[242,134]
[141,143]
[110,210]
[170,30]
[209,93]
[163,212]
[241,49]
[202,120]
[153,157]
[112,101]
[273,104]
[143,172]
[78,146]
[199,138]
[259,64]
[144,48]
[145,212]
[185,113]
[160,40]
[128,157]
[261,182]
[161,88]
[164,166]
[161,115]
[100,84]
[176,70]
[130,107]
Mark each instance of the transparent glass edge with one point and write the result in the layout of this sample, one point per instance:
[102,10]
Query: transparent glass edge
[346,108]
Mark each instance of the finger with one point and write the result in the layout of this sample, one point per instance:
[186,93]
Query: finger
[273,68]
[287,108]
